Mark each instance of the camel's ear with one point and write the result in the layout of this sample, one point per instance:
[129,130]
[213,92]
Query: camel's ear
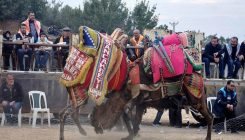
[81,40]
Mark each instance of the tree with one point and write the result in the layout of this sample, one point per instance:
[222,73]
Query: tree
[105,14]
[163,27]
[222,40]
[18,9]
[143,16]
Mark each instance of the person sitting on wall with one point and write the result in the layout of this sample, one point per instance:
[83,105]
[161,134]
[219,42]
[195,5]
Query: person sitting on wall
[42,53]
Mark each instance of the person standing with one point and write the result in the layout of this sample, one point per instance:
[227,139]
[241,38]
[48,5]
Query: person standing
[64,39]
[33,26]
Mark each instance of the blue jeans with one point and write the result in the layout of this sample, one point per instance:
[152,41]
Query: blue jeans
[158,117]
[207,62]
[41,59]
[14,109]
[231,63]
[20,54]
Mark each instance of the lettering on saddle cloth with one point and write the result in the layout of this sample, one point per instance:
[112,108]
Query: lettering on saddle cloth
[97,83]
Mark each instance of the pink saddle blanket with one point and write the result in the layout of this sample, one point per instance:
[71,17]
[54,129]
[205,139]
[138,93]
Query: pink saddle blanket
[177,58]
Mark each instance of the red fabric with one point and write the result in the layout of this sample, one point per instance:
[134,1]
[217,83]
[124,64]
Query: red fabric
[134,75]
[85,85]
[171,39]
[176,56]
[122,77]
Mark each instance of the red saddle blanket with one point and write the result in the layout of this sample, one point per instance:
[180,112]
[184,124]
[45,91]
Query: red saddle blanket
[177,57]
[77,66]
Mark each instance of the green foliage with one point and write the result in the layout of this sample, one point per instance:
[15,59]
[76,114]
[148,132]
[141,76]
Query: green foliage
[105,14]
[143,16]
[163,27]
[97,14]
[18,9]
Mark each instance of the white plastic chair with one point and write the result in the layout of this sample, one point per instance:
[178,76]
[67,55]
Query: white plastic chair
[210,104]
[210,101]
[35,98]
[19,118]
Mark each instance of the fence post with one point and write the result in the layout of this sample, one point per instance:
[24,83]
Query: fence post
[1,47]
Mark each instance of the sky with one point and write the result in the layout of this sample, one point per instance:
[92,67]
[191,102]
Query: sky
[224,17]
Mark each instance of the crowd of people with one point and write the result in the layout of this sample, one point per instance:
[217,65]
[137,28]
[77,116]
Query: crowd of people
[231,55]
[30,31]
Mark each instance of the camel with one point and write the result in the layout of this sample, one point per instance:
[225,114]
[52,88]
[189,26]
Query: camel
[106,114]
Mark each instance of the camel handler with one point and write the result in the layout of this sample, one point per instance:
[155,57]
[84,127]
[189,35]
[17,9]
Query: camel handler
[134,56]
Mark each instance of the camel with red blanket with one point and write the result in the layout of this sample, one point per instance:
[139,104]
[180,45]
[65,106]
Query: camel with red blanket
[98,65]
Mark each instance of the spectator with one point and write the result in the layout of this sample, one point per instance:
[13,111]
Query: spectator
[21,37]
[242,53]
[232,57]
[136,41]
[11,97]
[208,56]
[64,39]
[42,53]
[7,51]
[224,106]
[175,117]
[157,119]
[33,26]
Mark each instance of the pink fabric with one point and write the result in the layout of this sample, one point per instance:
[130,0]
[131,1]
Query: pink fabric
[183,38]
[176,56]
[171,39]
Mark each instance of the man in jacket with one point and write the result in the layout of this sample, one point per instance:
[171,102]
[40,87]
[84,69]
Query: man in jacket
[11,97]
[136,41]
[233,57]
[33,26]
[224,106]
[208,56]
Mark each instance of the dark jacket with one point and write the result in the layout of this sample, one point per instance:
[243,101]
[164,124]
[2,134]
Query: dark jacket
[15,95]
[19,37]
[131,53]
[242,49]
[7,48]
[57,40]
[210,50]
[229,56]
[224,97]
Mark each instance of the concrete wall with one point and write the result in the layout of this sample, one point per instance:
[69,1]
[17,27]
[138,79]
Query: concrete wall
[212,87]
[57,97]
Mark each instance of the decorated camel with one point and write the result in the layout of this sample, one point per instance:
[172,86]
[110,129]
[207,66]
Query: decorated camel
[98,65]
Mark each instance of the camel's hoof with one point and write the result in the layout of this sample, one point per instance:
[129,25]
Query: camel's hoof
[83,132]
[127,138]
[207,138]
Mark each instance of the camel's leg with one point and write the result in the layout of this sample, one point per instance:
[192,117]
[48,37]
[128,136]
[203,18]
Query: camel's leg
[126,120]
[75,117]
[203,109]
[138,118]
[63,115]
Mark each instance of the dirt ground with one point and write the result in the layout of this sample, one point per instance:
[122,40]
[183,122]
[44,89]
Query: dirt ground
[147,132]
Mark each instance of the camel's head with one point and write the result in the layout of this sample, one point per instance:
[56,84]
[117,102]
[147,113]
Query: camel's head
[89,40]
[107,114]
